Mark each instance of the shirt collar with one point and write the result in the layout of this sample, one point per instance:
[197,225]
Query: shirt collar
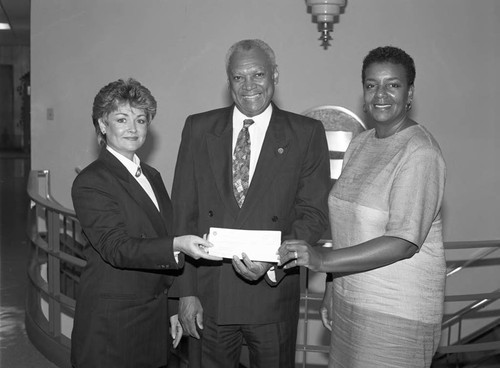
[264,116]
[131,166]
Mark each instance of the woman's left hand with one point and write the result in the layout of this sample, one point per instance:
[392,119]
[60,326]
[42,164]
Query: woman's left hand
[294,253]
[326,308]
[175,330]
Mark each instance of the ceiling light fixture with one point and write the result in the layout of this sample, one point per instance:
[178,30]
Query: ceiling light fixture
[325,12]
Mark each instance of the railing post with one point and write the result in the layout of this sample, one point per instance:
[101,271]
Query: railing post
[53,273]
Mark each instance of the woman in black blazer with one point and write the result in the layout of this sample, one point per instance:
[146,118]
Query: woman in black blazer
[121,318]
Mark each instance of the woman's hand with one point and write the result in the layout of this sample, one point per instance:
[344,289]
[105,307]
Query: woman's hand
[294,253]
[326,309]
[175,330]
[194,246]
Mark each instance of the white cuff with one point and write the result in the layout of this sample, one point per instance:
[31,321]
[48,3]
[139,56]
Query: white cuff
[271,274]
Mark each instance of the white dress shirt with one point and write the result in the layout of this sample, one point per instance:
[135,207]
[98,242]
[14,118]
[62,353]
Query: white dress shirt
[132,167]
[257,133]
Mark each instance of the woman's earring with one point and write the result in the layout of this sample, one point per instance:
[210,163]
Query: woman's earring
[408,106]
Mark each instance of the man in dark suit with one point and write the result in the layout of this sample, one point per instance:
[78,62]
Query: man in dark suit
[289,179]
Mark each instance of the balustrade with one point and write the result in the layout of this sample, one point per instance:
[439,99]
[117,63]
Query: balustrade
[56,262]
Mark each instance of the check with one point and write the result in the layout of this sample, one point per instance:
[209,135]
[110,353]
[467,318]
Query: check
[258,245]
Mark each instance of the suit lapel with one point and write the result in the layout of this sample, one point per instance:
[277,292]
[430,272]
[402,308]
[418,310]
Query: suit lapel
[273,152]
[163,200]
[135,191]
[219,145]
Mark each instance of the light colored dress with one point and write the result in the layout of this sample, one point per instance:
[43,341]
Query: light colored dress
[390,316]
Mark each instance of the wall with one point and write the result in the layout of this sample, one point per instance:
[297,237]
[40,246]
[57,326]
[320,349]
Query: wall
[177,49]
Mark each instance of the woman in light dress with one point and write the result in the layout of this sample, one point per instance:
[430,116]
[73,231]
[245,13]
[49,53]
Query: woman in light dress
[384,294]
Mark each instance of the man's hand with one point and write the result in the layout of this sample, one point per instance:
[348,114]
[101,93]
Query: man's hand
[250,270]
[191,315]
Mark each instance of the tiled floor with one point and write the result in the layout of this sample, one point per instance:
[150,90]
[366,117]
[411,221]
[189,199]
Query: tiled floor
[16,350]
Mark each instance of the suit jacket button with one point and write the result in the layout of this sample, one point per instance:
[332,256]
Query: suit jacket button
[210,213]
[275,219]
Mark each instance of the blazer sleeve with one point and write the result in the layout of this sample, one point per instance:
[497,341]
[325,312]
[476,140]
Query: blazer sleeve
[311,200]
[184,200]
[173,306]
[116,226]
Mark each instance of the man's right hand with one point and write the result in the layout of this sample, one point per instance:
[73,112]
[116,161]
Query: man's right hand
[191,315]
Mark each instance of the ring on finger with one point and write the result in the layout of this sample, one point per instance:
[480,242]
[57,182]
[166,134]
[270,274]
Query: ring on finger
[296,254]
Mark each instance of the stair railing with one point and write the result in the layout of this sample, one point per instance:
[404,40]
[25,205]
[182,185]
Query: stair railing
[55,265]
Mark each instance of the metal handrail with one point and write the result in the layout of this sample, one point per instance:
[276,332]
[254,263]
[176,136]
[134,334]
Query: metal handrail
[463,346]
[54,268]
[46,200]
[54,230]
[491,247]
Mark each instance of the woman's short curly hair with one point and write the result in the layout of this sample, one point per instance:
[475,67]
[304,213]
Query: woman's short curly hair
[121,92]
[390,54]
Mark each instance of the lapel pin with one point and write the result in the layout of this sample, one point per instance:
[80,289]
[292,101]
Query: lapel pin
[281,150]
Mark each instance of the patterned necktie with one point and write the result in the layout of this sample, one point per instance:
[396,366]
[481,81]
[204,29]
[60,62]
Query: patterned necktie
[241,163]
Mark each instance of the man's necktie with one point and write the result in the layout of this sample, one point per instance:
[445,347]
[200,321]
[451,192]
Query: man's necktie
[241,163]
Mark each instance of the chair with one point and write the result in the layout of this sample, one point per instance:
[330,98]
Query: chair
[341,125]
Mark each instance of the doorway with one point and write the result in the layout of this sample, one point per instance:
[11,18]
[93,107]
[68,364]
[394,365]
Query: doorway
[7,127]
